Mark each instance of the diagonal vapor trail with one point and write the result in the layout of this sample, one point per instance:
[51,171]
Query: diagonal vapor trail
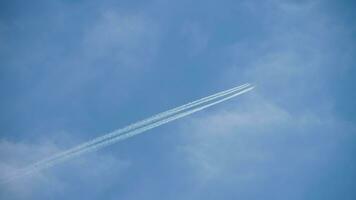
[140,124]
[137,128]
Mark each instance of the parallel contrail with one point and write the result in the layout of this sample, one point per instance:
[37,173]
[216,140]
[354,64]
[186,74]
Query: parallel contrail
[140,124]
[136,128]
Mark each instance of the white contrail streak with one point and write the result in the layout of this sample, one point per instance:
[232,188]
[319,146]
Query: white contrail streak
[140,124]
[135,129]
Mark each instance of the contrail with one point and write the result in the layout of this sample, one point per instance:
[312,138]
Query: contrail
[136,128]
[140,124]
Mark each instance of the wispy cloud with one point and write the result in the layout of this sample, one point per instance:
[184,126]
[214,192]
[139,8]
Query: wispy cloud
[14,156]
[287,130]
[257,142]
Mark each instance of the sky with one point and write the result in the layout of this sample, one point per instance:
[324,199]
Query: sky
[74,70]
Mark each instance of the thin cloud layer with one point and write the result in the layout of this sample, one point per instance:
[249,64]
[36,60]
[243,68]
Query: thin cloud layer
[91,67]
[15,156]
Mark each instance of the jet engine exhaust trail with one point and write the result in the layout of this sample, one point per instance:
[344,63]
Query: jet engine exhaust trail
[136,128]
[159,116]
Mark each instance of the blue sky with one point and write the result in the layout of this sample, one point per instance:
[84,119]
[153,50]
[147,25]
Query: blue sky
[74,70]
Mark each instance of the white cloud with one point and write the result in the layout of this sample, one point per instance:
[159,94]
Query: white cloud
[286,125]
[258,142]
[95,171]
